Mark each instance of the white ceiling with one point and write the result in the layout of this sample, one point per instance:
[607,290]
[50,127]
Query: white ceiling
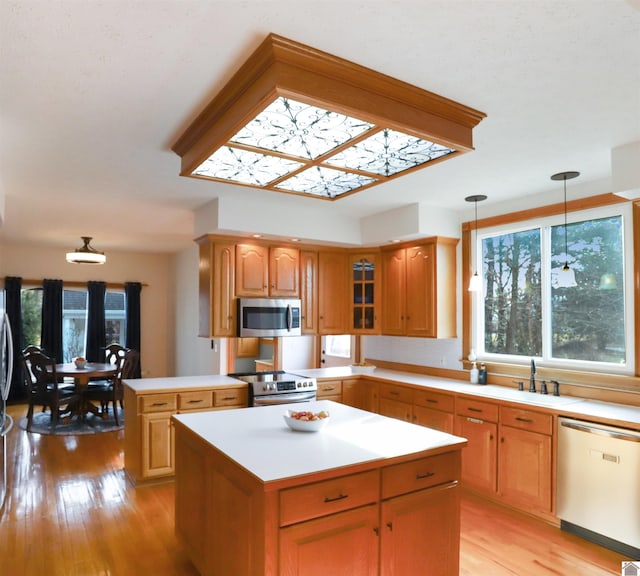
[94,93]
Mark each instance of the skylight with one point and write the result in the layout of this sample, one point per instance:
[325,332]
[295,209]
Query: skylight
[300,121]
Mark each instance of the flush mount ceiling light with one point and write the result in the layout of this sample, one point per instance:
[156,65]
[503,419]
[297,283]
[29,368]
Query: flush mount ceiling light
[87,254]
[566,278]
[475,284]
[297,120]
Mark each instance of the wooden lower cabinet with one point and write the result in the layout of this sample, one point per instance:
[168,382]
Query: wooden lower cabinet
[157,445]
[413,541]
[525,477]
[360,393]
[396,402]
[401,519]
[344,543]
[149,445]
[330,390]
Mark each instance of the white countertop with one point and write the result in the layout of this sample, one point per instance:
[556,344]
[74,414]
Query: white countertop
[259,440]
[181,383]
[570,405]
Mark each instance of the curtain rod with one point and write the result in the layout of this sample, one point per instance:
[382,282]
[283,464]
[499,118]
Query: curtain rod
[77,283]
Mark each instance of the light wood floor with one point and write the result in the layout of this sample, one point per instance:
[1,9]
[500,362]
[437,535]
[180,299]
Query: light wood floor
[70,512]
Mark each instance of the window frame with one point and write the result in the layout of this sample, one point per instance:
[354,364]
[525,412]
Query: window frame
[544,225]
[510,372]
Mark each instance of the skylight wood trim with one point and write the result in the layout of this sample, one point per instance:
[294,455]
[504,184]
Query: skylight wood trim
[282,67]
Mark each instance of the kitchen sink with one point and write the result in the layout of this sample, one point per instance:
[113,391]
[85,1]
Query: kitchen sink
[535,399]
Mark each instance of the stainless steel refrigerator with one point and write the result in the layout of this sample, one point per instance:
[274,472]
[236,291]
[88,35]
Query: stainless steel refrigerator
[6,370]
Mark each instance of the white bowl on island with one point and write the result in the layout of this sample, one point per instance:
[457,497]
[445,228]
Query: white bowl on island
[305,421]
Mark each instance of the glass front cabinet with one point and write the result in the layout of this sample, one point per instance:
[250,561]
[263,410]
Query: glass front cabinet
[365,274]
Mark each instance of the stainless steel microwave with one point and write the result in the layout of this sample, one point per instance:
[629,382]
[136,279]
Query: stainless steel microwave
[268,317]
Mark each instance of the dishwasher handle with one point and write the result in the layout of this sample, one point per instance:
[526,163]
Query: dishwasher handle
[617,434]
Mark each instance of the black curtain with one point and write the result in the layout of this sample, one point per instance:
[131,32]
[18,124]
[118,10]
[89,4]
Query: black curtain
[132,292]
[51,334]
[13,307]
[96,329]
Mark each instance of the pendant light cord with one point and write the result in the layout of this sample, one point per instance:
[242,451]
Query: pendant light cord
[566,249]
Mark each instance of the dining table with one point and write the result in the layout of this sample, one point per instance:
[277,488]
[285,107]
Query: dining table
[82,376]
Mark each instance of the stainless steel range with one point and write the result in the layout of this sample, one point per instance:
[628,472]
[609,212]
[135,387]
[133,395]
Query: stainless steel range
[278,387]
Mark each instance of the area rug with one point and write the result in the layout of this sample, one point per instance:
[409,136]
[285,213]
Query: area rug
[91,425]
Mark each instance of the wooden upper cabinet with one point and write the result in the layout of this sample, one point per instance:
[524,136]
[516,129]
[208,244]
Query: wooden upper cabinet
[252,270]
[332,292]
[284,272]
[263,271]
[309,291]
[419,289]
[393,292]
[364,270]
[216,271]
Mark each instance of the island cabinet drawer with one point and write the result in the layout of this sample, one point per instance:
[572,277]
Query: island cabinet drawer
[328,497]
[230,397]
[419,474]
[399,393]
[477,409]
[526,419]
[330,388]
[195,400]
[158,403]
[434,400]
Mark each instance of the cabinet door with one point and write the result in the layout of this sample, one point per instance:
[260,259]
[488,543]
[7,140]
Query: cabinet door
[252,270]
[247,347]
[395,409]
[223,309]
[309,291]
[393,292]
[420,533]
[157,445]
[343,544]
[420,278]
[431,418]
[216,278]
[479,458]
[364,272]
[332,293]
[284,272]
[524,469]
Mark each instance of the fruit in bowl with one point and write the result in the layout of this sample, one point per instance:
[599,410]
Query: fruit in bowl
[305,420]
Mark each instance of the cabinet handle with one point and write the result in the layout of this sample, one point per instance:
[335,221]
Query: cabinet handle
[394,393]
[475,420]
[423,476]
[339,497]
[527,420]
[195,401]
[474,409]
[390,525]
[377,531]
[328,388]
[159,403]
[229,398]
[432,401]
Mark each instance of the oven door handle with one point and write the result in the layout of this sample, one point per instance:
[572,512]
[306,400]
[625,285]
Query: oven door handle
[283,399]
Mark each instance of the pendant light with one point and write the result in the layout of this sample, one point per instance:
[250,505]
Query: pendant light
[87,254]
[566,278]
[475,284]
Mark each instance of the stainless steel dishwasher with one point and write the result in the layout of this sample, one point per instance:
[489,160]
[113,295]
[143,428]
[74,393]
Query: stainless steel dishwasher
[598,494]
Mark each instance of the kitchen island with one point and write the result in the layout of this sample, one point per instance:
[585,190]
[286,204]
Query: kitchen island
[367,495]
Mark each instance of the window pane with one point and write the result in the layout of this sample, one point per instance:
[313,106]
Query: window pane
[74,324]
[31,300]
[114,311]
[512,304]
[588,320]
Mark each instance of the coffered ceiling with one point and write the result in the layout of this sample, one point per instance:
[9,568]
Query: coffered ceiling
[94,95]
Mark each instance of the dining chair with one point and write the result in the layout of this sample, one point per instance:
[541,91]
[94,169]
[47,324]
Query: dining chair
[43,386]
[110,391]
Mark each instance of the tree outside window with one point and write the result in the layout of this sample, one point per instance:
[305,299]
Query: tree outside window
[524,313]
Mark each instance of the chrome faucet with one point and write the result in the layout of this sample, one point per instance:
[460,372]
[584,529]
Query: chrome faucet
[532,378]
